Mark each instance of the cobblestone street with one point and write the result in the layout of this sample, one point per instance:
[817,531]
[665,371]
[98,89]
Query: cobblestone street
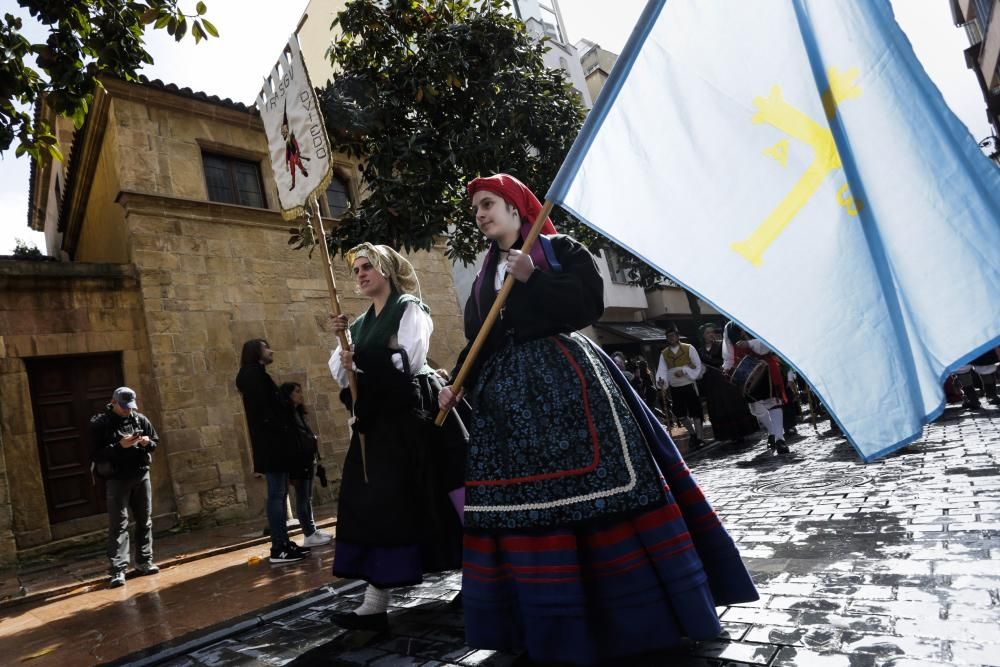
[891,563]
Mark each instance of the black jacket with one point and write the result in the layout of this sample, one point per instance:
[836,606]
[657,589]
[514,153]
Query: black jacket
[304,442]
[271,438]
[548,303]
[106,433]
[711,357]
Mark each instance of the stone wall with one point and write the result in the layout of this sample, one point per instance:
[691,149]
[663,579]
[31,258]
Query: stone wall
[213,276]
[56,309]
[103,237]
[207,277]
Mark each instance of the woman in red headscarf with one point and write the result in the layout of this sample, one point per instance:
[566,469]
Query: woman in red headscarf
[586,539]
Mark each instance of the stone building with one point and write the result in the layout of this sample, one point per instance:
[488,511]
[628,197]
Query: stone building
[173,253]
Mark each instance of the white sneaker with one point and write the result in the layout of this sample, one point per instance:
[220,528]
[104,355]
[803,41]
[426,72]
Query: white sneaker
[317,539]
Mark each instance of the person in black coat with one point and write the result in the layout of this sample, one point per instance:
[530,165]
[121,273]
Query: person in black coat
[270,441]
[306,448]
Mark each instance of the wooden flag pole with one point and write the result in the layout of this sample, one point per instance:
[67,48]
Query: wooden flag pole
[319,236]
[812,409]
[491,318]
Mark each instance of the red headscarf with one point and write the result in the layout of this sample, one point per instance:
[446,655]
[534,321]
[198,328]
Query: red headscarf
[517,194]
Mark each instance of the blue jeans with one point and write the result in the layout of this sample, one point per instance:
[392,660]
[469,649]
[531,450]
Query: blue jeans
[277,494]
[303,504]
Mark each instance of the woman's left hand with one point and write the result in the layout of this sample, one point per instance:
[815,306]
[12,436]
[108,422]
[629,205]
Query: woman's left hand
[520,265]
[347,359]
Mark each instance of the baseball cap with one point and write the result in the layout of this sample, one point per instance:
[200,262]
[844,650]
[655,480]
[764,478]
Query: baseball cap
[125,397]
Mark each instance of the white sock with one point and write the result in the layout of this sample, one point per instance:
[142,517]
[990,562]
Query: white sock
[698,429]
[763,418]
[376,601]
[777,423]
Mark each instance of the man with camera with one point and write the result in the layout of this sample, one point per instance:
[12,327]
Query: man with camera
[124,441]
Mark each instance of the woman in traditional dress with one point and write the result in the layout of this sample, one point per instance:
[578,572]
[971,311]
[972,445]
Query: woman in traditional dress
[586,537]
[727,409]
[395,519]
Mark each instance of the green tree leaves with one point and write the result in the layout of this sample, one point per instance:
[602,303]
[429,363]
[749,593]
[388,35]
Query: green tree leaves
[87,38]
[430,94]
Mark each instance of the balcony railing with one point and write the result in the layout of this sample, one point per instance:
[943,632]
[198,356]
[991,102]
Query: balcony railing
[973,31]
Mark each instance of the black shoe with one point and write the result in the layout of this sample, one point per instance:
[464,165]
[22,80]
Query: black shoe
[305,551]
[770,442]
[781,447]
[286,555]
[369,622]
[695,443]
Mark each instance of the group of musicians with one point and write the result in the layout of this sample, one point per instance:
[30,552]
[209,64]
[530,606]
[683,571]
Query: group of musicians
[741,379]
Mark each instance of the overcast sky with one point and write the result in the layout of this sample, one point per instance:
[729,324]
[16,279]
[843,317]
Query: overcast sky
[254,31]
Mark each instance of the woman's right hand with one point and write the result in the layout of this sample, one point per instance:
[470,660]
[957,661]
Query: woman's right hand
[338,323]
[447,399]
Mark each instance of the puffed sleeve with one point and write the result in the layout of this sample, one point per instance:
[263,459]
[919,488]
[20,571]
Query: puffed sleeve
[414,336]
[662,372]
[694,373]
[337,369]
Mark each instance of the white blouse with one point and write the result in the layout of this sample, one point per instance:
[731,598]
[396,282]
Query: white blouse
[666,375]
[414,336]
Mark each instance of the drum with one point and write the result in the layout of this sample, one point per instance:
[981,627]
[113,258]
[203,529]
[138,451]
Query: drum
[749,373]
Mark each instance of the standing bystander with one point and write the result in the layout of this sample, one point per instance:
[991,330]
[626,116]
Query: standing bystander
[271,441]
[301,479]
[124,441]
[680,367]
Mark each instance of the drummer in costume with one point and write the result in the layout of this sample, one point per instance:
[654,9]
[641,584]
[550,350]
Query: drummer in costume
[679,368]
[766,397]
[586,538]
[395,519]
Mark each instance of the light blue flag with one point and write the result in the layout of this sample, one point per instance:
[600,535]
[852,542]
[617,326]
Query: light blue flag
[791,163]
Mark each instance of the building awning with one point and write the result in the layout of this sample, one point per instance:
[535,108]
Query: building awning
[637,331]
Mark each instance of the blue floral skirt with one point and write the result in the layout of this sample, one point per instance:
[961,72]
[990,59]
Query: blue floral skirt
[562,560]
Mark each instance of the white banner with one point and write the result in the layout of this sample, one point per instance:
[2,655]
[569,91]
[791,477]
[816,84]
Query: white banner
[296,135]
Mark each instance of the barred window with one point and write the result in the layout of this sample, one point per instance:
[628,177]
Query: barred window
[338,196]
[233,181]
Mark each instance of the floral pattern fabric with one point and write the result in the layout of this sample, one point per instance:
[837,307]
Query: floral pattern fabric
[553,441]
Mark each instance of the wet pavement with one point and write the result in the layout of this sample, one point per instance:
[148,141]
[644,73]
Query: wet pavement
[891,563]
[63,614]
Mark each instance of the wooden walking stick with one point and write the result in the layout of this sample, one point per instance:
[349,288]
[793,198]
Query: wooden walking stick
[491,318]
[319,235]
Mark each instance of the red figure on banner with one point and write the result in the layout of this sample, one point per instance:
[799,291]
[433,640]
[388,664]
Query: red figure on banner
[293,156]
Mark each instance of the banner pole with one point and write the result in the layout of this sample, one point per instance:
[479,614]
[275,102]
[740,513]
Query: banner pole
[491,318]
[319,235]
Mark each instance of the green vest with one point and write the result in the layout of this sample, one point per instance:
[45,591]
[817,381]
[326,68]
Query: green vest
[377,331]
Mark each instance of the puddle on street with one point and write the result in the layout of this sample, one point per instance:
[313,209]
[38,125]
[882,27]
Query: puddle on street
[864,535]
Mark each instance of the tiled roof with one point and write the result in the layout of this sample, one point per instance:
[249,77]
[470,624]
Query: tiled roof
[158,85]
[195,94]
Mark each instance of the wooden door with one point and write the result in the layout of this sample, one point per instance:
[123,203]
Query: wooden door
[65,393]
